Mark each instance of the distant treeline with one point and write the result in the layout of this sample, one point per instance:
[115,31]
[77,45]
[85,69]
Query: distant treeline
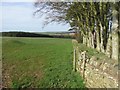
[23,34]
[27,34]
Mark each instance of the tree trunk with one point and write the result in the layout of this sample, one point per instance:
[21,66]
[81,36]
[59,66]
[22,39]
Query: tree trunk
[78,36]
[115,44]
[92,40]
[101,44]
[109,46]
[88,39]
[98,40]
[85,40]
[119,46]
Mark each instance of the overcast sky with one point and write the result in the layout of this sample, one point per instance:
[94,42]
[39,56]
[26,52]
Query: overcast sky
[18,16]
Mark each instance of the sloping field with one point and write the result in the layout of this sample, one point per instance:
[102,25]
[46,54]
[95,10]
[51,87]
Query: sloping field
[38,62]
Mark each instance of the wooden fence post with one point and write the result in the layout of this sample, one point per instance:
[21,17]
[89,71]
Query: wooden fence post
[84,62]
[74,60]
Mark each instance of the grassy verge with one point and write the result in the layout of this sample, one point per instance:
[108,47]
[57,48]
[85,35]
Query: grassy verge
[35,62]
[90,51]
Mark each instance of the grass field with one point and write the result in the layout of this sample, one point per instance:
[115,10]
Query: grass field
[39,62]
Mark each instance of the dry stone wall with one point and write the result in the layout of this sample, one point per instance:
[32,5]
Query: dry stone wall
[96,73]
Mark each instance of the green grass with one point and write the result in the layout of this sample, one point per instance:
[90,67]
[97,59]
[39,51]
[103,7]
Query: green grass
[39,62]
[90,51]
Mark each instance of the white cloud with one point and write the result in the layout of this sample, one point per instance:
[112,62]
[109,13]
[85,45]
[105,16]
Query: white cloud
[19,17]
[0,18]
[18,0]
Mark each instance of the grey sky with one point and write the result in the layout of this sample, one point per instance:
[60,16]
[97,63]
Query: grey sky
[18,16]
